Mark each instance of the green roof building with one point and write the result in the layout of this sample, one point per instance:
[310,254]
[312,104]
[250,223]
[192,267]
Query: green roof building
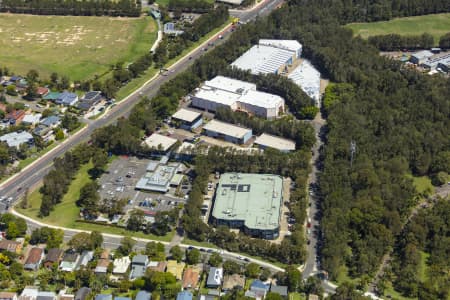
[250,202]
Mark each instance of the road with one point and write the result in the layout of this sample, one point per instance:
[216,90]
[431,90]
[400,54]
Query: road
[311,267]
[34,173]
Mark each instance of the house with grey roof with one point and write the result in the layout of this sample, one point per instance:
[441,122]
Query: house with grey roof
[43,295]
[103,297]
[184,295]
[82,293]
[51,121]
[67,99]
[215,277]
[138,266]
[143,295]
[85,258]
[15,139]
[69,262]
[281,290]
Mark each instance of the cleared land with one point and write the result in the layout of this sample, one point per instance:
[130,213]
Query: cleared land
[436,25]
[78,47]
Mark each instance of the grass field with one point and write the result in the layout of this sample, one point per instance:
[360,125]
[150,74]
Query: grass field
[69,210]
[79,47]
[436,25]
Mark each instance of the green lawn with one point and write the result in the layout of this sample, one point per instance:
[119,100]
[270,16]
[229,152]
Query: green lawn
[77,46]
[138,82]
[423,266]
[70,211]
[66,208]
[436,25]
[296,296]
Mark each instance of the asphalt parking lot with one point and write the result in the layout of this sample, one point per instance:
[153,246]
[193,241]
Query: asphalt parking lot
[120,180]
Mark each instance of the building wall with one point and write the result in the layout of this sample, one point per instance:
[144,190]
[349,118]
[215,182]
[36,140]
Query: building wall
[192,125]
[228,138]
[208,105]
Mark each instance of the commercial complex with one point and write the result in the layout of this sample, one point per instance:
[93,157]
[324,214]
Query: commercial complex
[269,141]
[250,202]
[228,132]
[187,119]
[269,56]
[159,177]
[237,95]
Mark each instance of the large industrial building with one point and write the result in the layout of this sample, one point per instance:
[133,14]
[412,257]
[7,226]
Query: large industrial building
[308,79]
[250,202]
[269,56]
[160,142]
[228,132]
[237,95]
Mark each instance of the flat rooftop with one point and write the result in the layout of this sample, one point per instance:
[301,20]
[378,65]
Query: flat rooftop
[261,99]
[291,45]
[230,84]
[156,139]
[186,115]
[226,129]
[262,59]
[275,142]
[160,179]
[218,96]
[254,198]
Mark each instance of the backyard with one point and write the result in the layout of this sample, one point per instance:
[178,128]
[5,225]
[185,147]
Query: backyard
[436,25]
[78,47]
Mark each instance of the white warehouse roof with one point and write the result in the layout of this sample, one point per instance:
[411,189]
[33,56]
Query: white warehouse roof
[226,129]
[234,2]
[261,59]
[261,99]
[230,84]
[308,78]
[186,115]
[291,45]
[275,142]
[156,139]
[217,96]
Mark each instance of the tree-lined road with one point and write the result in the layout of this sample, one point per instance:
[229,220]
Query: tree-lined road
[34,173]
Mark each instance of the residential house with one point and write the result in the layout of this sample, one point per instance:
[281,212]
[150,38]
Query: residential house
[122,298]
[158,266]
[46,133]
[215,277]
[34,259]
[82,293]
[15,117]
[67,99]
[184,295]
[138,266]
[85,258]
[16,139]
[42,91]
[69,262]
[62,295]
[102,263]
[190,278]
[258,290]
[51,96]
[103,297]
[175,268]
[281,290]
[233,281]
[53,256]
[90,99]
[51,121]
[8,296]
[143,295]
[31,119]
[44,295]
[11,246]
[313,297]
[121,265]
[29,293]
